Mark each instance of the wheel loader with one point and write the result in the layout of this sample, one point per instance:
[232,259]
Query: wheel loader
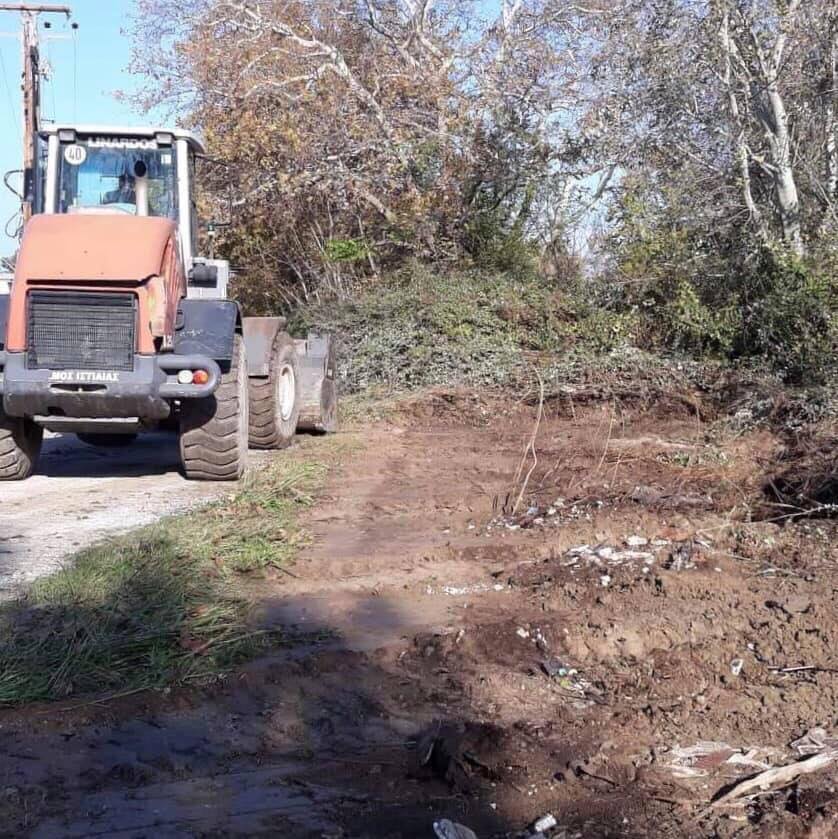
[114,325]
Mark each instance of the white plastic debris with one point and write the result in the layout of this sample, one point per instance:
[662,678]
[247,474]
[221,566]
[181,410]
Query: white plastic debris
[546,822]
[736,666]
[636,542]
[446,829]
[521,632]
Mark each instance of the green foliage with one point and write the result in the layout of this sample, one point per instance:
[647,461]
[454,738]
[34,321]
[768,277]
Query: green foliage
[717,292]
[493,247]
[788,314]
[422,327]
[346,250]
[690,325]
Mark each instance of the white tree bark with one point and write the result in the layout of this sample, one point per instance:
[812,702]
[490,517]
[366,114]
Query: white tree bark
[831,130]
[773,118]
[740,144]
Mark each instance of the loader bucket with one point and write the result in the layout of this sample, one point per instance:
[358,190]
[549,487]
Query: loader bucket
[318,393]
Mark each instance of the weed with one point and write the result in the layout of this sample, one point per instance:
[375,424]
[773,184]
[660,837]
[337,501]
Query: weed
[426,328]
[133,613]
[158,606]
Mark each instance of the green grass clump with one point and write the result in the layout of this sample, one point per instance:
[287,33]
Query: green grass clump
[159,606]
[135,613]
[256,528]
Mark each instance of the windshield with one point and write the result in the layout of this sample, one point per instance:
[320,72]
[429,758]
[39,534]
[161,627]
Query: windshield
[105,173]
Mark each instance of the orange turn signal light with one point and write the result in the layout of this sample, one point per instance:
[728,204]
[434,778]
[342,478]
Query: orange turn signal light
[200,377]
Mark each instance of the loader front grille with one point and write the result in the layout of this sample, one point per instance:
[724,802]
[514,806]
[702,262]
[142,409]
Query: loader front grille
[81,330]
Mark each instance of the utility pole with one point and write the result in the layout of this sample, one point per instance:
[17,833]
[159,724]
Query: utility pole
[31,89]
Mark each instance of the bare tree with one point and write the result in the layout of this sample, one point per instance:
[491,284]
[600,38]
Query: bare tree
[362,131]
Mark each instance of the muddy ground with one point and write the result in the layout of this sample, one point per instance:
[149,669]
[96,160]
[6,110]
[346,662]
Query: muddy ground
[617,652]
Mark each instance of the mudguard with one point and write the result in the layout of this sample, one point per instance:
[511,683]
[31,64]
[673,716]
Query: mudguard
[207,327]
[259,337]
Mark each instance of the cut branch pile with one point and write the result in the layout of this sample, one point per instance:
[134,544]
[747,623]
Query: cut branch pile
[808,480]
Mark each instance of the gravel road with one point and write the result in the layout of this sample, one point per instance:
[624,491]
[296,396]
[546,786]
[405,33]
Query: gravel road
[81,493]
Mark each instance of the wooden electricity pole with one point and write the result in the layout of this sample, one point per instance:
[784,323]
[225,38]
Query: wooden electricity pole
[31,89]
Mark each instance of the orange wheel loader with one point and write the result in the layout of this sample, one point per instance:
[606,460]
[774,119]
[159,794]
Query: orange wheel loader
[114,325]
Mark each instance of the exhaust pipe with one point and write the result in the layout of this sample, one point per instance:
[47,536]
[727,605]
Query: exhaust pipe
[141,187]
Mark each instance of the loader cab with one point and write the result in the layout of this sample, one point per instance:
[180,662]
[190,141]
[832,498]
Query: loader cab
[95,169]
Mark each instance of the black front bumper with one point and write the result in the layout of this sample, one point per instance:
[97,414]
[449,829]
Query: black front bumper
[145,392]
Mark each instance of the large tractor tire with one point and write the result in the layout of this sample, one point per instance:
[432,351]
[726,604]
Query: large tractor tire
[213,431]
[116,441]
[20,445]
[318,397]
[275,399]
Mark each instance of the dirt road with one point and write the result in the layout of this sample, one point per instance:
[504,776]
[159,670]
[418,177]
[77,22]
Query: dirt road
[618,652]
[80,494]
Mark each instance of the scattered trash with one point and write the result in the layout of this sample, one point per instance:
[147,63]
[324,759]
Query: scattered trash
[776,777]
[521,632]
[636,542]
[600,555]
[605,580]
[698,760]
[459,591]
[554,668]
[736,666]
[813,741]
[546,822]
[681,557]
[552,515]
[705,757]
[446,829]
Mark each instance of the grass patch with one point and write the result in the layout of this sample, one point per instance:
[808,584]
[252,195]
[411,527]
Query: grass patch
[160,606]
[256,528]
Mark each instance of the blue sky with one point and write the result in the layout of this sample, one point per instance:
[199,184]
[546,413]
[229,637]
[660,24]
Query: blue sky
[100,60]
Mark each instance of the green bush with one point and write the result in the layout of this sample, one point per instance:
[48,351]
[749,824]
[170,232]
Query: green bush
[690,325]
[425,327]
[709,290]
[346,250]
[788,316]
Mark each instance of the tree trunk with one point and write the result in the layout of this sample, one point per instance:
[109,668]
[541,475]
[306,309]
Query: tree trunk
[785,186]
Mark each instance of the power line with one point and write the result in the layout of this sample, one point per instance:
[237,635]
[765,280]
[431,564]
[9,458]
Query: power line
[10,101]
[75,30]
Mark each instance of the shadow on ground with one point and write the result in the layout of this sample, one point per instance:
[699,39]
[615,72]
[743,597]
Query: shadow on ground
[331,736]
[65,456]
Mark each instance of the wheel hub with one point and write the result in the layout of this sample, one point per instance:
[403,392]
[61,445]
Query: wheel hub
[287,388]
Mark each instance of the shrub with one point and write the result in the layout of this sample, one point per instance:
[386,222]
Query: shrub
[423,327]
[788,315]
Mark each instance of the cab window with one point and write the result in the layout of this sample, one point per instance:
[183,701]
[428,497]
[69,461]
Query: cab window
[102,175]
